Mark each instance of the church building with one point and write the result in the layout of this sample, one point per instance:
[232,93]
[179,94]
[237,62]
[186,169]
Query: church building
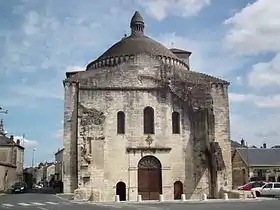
[139,121]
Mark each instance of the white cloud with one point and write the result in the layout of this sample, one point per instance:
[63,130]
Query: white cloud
[52,88]
[258,129]
[59,134]
[25,142]
[272,101]
[237,97]
[256,30]
[266,74]
[160,9]
[206,54]
[75,68]
[239,80]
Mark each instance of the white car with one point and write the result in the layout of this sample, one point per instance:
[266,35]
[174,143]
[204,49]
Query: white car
[269,189]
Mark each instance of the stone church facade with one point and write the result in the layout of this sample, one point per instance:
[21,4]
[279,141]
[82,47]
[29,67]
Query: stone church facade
[138,121]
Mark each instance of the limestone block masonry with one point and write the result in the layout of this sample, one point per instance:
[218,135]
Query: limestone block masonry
[101,162]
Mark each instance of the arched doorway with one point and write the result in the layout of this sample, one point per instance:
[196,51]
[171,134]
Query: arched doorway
[178,190]
[149,178]
[121,190]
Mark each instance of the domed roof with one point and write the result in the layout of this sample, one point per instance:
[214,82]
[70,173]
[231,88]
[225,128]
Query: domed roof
[136,43]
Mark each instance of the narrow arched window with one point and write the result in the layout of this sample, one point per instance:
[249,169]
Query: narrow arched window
[149,120]
[120,122]
[175,122]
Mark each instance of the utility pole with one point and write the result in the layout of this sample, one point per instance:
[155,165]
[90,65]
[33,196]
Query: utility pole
[33,157]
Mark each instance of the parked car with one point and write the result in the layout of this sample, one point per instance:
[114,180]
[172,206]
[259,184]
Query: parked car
[19,187]
[271,189]
[252,185]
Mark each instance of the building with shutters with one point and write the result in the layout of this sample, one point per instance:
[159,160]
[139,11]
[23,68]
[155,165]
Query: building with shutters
[139,121]
[11,160]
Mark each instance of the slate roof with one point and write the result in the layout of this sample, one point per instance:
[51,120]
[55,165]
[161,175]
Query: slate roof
[260,156]
[4,140]
[137,43]
[235,144]
[134,45]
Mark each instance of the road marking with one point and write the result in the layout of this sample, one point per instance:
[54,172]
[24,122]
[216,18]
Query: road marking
[24,204]
[8,205]
[42,208]
[38,204]
[52,203]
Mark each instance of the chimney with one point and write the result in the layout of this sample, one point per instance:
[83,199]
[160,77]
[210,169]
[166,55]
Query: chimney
[264,145]
[242,142]
[182,54]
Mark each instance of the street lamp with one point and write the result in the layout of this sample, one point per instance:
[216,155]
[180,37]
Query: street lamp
[33,157]
[33,171]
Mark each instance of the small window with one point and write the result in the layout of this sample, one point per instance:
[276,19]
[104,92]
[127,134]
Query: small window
[175,123]
[276,185]
[268,186]
[149,127]
[120,122]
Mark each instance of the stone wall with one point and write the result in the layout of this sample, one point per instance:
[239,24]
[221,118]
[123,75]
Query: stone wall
[92,100]
[19,162]
[70,137]
[110,162]
[222,132]
[7,176]
[6,154]
[59,165]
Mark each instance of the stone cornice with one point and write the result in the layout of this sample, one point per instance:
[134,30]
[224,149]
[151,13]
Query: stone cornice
[147,149]
[114,61]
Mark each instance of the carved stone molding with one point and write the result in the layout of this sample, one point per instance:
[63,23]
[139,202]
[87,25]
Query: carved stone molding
[149,140]
[147,149]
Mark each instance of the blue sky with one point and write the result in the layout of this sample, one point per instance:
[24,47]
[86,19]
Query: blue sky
[40,40]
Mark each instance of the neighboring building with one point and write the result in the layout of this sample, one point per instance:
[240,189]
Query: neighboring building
[59,165]
[50,173]
[43,174]
[11,160]
[28,174]
[235,144]
[40,174]
[138,121]
[255,164]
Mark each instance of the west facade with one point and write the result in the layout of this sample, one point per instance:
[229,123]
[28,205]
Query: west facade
[138,121]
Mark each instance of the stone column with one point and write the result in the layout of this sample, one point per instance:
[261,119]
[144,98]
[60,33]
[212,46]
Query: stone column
[70,137]
[219,93]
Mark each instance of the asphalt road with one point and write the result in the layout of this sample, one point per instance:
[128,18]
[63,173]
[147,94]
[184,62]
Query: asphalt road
[52,202]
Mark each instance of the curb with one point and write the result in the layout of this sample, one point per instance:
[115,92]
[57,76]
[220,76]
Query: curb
[179,202]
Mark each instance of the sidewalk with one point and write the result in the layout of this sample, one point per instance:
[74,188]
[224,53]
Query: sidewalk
[145,202]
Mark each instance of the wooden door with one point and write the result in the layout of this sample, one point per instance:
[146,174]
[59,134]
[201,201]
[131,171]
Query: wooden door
[149,178]
[178,190]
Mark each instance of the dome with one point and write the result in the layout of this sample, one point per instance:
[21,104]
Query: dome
[136,43]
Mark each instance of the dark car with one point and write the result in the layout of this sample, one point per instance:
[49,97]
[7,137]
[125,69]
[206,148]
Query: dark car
[19,187]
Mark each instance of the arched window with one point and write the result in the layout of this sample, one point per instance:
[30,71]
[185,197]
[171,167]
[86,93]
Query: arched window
[149,120]
[175,122]
[120,122]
